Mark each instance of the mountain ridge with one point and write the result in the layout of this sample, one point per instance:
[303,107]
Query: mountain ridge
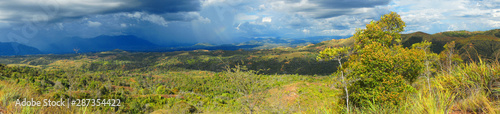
[14,48]
[135,44]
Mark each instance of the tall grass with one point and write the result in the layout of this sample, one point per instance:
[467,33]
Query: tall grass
[466,89]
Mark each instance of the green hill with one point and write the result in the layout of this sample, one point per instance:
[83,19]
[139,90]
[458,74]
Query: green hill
[470,45]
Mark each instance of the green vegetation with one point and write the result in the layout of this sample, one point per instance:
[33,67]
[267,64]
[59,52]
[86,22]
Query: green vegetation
[381,72]
[378,70]
[385,77]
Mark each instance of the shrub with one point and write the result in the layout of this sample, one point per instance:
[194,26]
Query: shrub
[59,94]
[448,58]
[183,107]
[380,69]
[9,97]
[250,85]
[163,90]
[93,85]
[383,74]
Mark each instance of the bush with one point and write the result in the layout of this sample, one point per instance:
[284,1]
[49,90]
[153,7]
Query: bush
[163,90]
[9,97]
[94,85]
[183,107]
[380,69]
[250,85]
[383,74]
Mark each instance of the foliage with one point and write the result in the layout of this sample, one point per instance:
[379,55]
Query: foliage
[448,57]
[338,54]
[249,85]
[385,31]
[472,83]
[461,33]
[383,74]
[381,71]
[333,53]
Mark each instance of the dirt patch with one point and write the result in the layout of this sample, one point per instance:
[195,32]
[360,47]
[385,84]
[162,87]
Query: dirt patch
[286,94]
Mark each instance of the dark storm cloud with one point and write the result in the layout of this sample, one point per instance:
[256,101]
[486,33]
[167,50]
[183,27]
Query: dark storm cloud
[320,15]
[15,11]
[163,6]
[341,4]
[320,9]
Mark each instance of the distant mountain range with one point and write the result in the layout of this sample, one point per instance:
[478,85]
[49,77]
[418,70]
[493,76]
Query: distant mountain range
[487,43]
[100,43]
[133,43]
[12,48]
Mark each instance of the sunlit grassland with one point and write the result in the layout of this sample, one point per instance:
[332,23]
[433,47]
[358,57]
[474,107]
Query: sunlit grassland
[465,90]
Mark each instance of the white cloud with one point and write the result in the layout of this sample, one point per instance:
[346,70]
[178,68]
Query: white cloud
[334,32]
[494,23]
[245,17]
[189,16]
[165,19]
[134,15]
[123,25]
[267,19]
[155,19]
[435,16]
[305,31]
[93,24]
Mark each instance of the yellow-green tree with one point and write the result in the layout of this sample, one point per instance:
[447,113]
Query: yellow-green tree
[448,57]
[430,58]
[381,70]
[385,31]
[337,54]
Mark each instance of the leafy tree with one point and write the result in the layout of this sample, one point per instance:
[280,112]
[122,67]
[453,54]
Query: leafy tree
[384,74]
[380,68]
[429,58]
[448,57]
[385,31]
[337,54]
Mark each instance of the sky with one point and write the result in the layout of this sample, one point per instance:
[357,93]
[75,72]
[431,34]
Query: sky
[35,22]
